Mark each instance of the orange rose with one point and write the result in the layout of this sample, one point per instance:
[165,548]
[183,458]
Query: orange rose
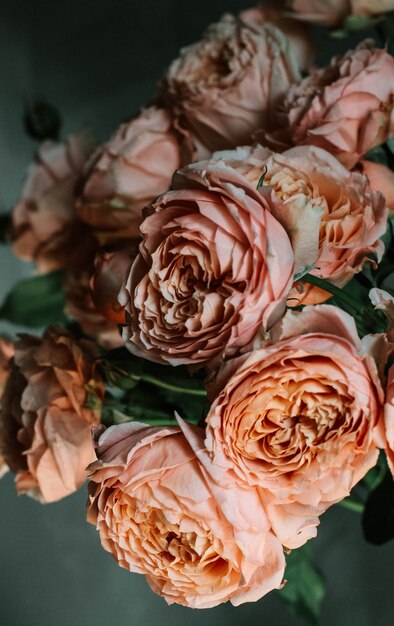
[132,169]
[346,108]
[44,220]
[45,420]
[225,87]
[159,514]
[332,216]
[297,419]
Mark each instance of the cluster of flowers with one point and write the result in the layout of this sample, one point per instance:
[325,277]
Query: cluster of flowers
[221,270]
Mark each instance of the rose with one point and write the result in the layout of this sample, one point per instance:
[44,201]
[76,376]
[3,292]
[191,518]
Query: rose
[297,33]
[111,270]
[345,108]
[81,307]
[297,419]
[226,86]
[45,418]
[6,353]
[132,169]
[44,221]
[332,216]
[381,179]
[214,266]
[389,419]
[333,12]
[159,514]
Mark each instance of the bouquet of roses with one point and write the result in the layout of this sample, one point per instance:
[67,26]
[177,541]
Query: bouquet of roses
[215,286]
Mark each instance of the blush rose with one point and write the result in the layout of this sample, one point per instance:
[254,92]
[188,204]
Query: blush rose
[214,266]
[226,86]
[346,108]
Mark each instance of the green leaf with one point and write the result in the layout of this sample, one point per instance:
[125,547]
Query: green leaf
[378,517]
[36,301]
[305,588]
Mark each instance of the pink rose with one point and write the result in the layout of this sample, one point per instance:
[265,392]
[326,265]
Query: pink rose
[44,220]
[45,418]
[159,514]
[345,108]
[381,179]
[332,216]
[132,169]
[298,34]
[226,86]
[297,419]
[214,266]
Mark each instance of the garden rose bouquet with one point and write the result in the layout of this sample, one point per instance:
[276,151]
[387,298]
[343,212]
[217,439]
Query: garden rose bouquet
[215,285]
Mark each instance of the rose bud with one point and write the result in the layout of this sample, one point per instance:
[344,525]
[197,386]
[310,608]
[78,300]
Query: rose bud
[159,514]
[296,418]
[214,267]
[44,220]
[345,108]
[332,216]
[46,414]
[111,271]
[227,85]
[132,169]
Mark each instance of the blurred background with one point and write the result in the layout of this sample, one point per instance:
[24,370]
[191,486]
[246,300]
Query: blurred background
[98,62]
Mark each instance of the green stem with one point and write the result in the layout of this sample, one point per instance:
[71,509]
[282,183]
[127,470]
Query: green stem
[335,291]
[352,505]
[170,387]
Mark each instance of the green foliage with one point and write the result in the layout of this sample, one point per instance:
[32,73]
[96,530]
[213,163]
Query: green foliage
[378,517]
[305,588]
[149,392]
[36,301]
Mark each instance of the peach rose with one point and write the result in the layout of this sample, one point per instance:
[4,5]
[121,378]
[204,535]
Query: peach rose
[132,169]
[44,221]
[345,108]
[214,266]
[159,514]
[297,419]
[389,419]
[226,86]
[332,216]
[297,34]
[6,354]
[45,419]
[381,179]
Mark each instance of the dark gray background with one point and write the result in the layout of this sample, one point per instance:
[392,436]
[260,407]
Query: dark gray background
[98,63]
